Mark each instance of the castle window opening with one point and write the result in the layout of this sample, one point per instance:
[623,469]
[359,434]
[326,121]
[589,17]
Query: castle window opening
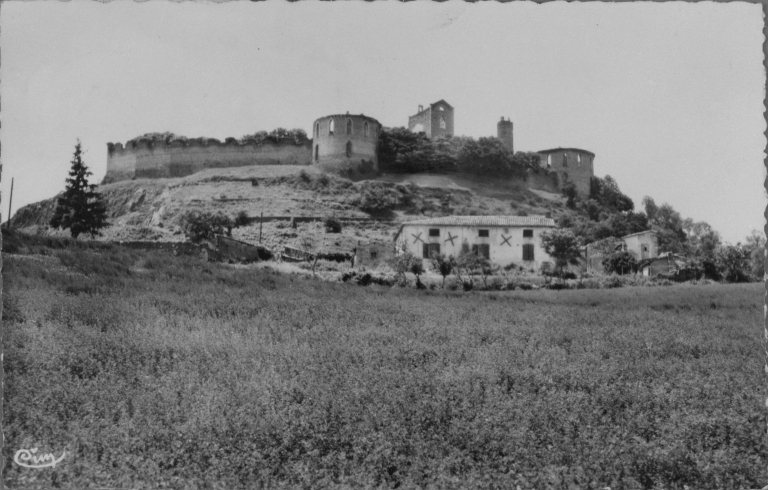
[349,126]
[349,149]
[578,159]
[330,127]
[365,129]
[565,159]
[317,152]
[434,232]
[527,233]
[528,252]
[317,129]
[441,108]
[482,233]
[374,254]
[442,122]
[549,161]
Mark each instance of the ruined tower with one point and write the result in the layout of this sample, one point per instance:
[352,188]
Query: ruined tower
[434,121]
[504,133]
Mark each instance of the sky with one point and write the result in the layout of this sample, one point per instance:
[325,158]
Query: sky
[669,96]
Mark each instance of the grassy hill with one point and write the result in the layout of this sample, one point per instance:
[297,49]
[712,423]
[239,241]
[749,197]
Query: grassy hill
[151,208]
[155,371]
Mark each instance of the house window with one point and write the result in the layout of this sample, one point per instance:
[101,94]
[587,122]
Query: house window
[434,232]
[528,251]
[349,126]
[482,233]
[349,149]
[365,129]
[482,249]
[527,233]
[442,122]
[428,249]
[330,127]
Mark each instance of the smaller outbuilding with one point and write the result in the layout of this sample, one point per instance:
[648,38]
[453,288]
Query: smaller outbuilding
[504,240]
[370,253]
[664,264]
[642,245]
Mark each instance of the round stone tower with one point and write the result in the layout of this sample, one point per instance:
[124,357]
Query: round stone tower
[504,133]
[346,144]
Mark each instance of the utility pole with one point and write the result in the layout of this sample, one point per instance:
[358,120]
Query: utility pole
[261,220]
[10,201]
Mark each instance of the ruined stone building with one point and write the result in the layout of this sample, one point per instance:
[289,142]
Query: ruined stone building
[346,143]
[341,143]
[569,164]
[504,133]
[434,121]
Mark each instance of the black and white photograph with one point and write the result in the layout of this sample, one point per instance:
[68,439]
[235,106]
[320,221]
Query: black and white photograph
[380,245]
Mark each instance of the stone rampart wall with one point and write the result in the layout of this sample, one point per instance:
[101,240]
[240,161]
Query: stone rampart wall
[146,159]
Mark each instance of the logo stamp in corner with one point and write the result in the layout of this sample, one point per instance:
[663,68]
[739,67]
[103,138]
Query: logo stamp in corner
[28,459]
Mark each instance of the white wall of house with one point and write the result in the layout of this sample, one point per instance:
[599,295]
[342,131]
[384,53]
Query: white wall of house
[642,245]
[505,244]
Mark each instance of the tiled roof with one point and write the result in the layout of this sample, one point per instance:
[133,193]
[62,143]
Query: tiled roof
[481,221]
[486,221]
[639,233]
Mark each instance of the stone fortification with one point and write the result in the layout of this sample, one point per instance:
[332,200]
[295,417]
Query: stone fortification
[346,144]
[146,158]
[434,121]
[569,165]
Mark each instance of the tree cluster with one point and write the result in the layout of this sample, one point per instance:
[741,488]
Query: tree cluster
[401,150]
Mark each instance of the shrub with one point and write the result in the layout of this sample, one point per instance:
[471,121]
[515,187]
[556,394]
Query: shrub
[240,220]
[199,226]
[620,263]
[612,281]
[332,225]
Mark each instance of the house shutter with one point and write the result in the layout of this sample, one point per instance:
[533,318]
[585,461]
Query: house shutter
[465,248]
[528,251]
[485,250]
[434,247]
[425,250]
[474,248]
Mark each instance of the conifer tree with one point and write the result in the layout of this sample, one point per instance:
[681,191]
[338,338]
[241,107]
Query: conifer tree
[81,208]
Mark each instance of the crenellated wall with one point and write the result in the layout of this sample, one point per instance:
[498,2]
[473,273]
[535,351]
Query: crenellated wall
[151,159]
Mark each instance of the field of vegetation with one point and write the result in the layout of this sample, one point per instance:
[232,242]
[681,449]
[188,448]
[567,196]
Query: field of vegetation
[155,371]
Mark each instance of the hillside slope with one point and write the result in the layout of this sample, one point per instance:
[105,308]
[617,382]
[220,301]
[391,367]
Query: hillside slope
[152,209]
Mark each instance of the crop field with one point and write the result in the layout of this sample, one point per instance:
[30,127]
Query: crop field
[155,371]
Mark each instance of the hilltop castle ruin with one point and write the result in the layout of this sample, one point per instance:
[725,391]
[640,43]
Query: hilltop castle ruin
[341,143]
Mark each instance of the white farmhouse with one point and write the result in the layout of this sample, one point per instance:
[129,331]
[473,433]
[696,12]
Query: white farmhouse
[501,239]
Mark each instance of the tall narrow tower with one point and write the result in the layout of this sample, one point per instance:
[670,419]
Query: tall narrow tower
[504,133]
